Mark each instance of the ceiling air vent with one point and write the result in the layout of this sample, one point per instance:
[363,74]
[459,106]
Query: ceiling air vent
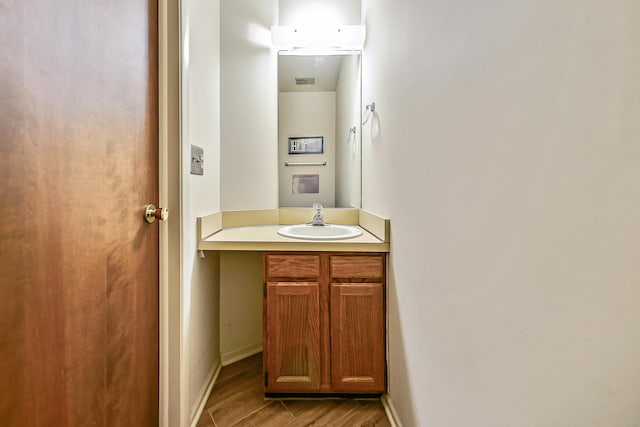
[305,80]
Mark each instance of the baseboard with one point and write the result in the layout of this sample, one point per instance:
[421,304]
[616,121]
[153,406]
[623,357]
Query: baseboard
[236,355]
[394,420]
[204,394]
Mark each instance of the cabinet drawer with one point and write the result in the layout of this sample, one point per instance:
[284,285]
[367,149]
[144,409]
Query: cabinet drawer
[294,266]
[347,267]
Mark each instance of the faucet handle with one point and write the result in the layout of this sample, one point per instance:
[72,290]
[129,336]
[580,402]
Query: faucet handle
[317,206]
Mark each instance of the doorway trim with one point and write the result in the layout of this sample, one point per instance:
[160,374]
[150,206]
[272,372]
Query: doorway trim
[171,358]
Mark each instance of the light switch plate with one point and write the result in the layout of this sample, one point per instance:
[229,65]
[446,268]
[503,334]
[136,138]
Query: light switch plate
[197,160]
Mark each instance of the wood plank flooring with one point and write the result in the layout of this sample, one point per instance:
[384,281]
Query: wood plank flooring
[237,400]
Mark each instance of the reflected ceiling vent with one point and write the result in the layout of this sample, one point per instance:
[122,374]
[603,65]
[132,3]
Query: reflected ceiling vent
[305,80]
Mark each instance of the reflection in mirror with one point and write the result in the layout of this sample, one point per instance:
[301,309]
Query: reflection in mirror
[319,150]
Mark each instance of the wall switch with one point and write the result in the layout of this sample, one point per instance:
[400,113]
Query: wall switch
[197,160]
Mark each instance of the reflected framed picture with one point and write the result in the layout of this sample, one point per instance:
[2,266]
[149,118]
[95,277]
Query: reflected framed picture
[306,145]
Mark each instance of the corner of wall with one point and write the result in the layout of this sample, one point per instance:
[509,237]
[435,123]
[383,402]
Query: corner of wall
[390,410]
[200,118]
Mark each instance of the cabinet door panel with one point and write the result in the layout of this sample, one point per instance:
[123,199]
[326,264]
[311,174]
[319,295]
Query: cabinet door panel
[357,337]
[292,337]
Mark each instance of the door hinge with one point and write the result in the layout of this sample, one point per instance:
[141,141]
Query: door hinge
[266,379]
[264,288]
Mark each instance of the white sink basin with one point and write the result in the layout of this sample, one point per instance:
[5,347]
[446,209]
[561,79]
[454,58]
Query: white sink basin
[320,232]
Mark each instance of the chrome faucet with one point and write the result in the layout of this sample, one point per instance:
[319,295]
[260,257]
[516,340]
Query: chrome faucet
[318,219]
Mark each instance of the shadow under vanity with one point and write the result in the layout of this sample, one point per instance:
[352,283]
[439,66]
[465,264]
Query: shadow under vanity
[323,302]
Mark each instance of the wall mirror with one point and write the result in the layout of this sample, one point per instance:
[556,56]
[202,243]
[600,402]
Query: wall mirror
[319,132]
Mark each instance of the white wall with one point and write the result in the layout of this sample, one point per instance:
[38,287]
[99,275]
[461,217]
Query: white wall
[341,12]
[249,174]
[505,149]
[240,305]
[307,114]
[348,155]
[201,194]
[249,149]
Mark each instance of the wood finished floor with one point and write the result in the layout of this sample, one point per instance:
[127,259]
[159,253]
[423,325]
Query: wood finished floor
[237,399]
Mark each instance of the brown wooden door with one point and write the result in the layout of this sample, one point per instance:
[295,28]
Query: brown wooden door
[78,161]
[292,337]
[357,337]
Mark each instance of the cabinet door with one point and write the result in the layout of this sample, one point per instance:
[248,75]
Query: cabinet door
[357,337]
[292,337]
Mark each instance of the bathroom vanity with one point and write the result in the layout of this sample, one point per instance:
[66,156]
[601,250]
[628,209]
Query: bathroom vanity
[324,322]
[324,302]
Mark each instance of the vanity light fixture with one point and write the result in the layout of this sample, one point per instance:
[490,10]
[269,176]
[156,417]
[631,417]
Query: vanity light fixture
[323,37]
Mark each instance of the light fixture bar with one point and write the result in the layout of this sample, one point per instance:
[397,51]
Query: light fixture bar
[318,37]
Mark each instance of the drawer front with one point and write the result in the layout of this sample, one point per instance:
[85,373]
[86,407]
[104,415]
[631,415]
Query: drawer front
[294,266]
[357,267]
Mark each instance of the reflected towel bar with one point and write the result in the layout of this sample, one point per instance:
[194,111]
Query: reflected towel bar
[305,163]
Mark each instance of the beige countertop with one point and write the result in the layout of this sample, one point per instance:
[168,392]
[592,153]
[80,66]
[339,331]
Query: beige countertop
[266,238]
[257,230]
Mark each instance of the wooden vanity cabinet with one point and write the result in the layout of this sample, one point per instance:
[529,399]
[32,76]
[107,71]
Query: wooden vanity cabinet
[292,342]
[324,323]
[357,323]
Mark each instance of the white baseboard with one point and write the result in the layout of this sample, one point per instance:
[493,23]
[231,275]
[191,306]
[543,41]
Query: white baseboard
[394,420]
[233,356]
[204,394]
